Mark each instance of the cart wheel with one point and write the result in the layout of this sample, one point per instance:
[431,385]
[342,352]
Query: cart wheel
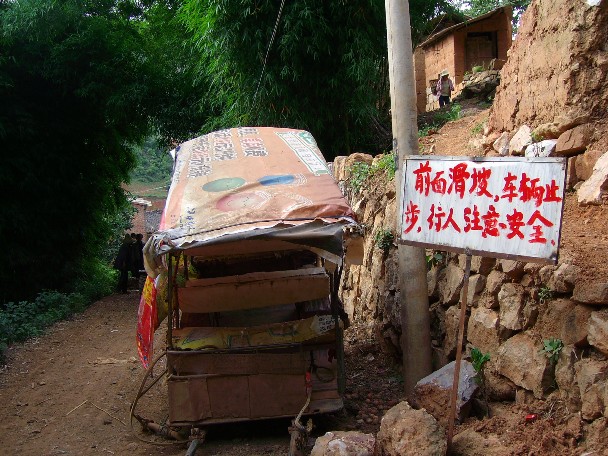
[192,448]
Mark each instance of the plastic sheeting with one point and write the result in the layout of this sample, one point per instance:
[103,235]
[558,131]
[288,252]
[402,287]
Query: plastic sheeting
[248,182]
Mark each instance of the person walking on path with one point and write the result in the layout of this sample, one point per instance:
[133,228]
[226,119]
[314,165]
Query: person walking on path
[123,263]
[445,87]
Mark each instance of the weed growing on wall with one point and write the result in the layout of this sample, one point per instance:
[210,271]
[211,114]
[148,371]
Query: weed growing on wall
[384,239]
[552,348]
[359,172]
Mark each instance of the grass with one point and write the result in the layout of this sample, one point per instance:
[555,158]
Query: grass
[440,118]
[359,172]
[384,239]
[23,320]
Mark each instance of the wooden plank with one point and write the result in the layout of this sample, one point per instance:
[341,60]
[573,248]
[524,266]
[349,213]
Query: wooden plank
[224,297]
[242,248]
[188,363]
[254,276]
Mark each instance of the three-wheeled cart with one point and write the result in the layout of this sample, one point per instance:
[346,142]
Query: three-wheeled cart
[249,254]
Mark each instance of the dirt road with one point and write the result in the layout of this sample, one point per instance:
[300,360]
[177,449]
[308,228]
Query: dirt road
[69,393]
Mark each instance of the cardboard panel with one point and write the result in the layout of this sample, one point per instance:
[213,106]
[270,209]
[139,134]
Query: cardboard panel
[229,397]
[276,395]
[188,399]
[254,277]
[189,363]
[253,294]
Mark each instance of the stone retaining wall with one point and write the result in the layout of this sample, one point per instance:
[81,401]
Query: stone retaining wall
[513,308]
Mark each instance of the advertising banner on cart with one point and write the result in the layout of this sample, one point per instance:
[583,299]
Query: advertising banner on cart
[502,207]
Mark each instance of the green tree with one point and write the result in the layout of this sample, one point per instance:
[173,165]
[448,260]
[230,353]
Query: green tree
[78,82]
[478,7]
[326,71]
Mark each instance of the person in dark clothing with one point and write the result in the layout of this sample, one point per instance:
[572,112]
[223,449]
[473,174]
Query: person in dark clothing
[123,263]
[139,249]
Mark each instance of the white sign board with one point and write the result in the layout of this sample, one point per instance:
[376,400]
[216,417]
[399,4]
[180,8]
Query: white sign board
[501,207]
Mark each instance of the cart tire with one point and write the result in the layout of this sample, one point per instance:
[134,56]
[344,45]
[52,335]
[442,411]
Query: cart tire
[192,448]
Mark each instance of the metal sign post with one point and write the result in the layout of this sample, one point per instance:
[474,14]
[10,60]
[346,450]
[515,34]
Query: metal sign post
[463,311]
[500,207]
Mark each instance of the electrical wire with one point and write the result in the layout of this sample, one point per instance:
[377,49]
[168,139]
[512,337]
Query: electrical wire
[274,32]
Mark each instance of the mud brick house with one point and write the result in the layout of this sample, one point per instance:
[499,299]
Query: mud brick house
[139,217]
[479,42]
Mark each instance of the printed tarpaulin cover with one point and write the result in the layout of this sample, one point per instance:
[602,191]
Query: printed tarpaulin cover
[243,179]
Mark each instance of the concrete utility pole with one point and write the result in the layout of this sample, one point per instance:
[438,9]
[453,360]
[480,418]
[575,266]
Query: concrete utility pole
[415,320]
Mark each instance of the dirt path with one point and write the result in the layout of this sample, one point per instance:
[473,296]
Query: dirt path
[93,358]
[69,393]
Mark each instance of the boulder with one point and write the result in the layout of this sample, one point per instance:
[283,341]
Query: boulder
[520,141]
[511,303]
[545,274]
[565,377]
[339,443]
[498,387]
[479,264]
[482,330]
[521,361]
[338,169]
[591,377]
[477,284]
[550,130]
[543,149]
[450,283]
[344,164]
[585,162]
[501,145]
[432,280]
[452,320]
[433,392]
[514,269]
[595,189]
[591,293]
[494,281]
[576,326]
[405,431]
[487,300]
[598,330]
[569,320]
[574,141]
[571,176]
[564,278]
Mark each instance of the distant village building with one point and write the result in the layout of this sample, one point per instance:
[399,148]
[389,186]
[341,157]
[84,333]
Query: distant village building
[478,43]
[139,217]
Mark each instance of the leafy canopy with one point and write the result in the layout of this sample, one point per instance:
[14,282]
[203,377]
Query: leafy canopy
[79,82]
[326,71]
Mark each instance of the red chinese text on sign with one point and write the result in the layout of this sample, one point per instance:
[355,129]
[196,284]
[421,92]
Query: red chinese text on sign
[505,206]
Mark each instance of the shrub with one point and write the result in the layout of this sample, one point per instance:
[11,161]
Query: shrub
[552,348]
[361,171]
[384,239]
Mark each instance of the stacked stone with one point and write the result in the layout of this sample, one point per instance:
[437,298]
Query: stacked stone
[509,314]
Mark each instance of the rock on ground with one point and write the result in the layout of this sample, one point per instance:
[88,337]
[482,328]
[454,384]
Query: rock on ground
[341,443]
[405,431]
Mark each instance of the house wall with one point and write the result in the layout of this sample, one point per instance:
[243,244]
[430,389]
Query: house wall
[139,219]
[499,23]
[438,56]
[448,53]
[421,81]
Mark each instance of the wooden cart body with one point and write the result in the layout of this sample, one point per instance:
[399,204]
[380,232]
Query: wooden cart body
[255,328]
